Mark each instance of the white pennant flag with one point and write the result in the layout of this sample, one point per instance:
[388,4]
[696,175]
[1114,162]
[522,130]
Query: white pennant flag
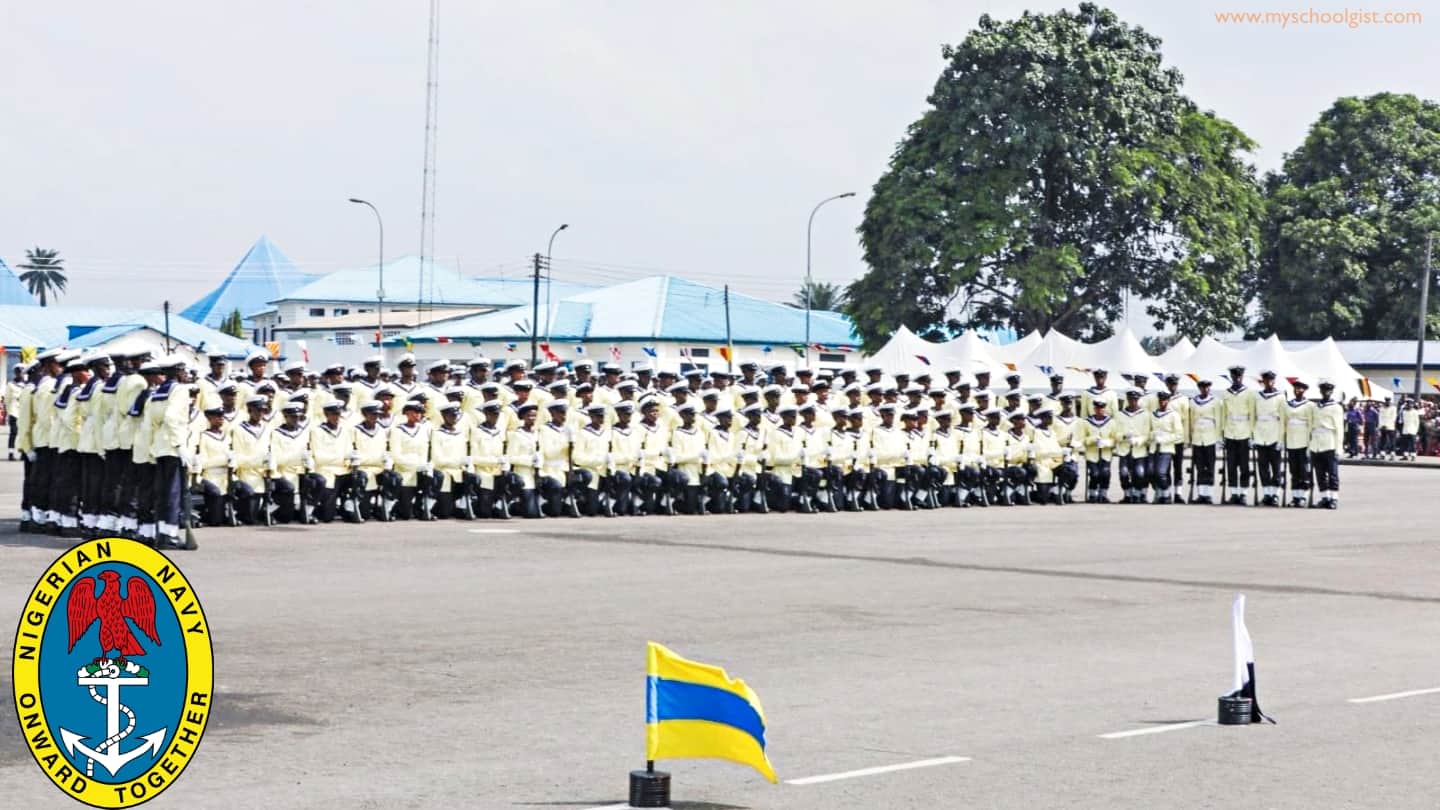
[1245,662]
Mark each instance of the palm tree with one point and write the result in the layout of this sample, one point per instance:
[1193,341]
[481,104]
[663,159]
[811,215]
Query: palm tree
[44,274]
[822,296]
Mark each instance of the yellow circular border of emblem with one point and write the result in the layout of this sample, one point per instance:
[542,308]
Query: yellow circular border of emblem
[199,683]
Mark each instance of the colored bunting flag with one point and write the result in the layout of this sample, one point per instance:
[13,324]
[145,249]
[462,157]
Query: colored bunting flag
[509,347]
[685,352]
[922,358]
[649,351]
[549,355]
[1395,383]
[1046,370]
[1365,387]
[615,353]
[27,354]
[725,353]
[1195,378]
[1011,366]
[579,349]
[304,351]
[274,348]
[1434,383]
[695,710]
[798,348]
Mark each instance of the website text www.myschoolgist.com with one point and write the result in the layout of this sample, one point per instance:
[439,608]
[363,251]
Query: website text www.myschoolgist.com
[1348,17]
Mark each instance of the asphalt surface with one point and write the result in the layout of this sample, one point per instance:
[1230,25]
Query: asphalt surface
[404,665]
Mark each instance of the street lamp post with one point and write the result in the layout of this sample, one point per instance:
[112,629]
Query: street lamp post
[380,291]
[809,226]
[549,273]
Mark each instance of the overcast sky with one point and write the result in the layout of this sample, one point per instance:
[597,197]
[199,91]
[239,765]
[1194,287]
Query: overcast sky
[152,142]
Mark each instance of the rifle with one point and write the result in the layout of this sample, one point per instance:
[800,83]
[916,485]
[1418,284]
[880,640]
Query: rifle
[357,492]
[1254,458]
[231,518]
[269,491]
[188,509]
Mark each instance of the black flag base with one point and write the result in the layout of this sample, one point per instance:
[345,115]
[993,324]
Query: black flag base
[1242,707]
[649,788]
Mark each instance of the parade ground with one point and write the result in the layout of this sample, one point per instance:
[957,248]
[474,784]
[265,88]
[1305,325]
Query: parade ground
[1031,657]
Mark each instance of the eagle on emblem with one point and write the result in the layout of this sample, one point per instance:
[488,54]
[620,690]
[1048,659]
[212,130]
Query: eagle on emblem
[112,611]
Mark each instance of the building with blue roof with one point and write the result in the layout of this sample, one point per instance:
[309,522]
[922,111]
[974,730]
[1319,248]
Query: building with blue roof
[336,313]
[666,321]
[262,275]
[12,290]
[103,328]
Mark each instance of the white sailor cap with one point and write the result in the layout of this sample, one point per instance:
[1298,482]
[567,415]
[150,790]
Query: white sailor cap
[721,411]
[611,368]
[687,407]
[800,388]
[787,409]
[874,369]
[583,363]
[887,407]
[478,360]
[406,359]
[751,409]
[541,368]
[294,366]
[839,406]
[293,406]
[256,402]
[373,360]
[874,388]
[804,371]
[624,406]
[914,389]
[514,364]
[335,368]
[439,365]
[558,385]
[334,405]
[710,393]
[774,367]
[1134,391]
[854,387]
[808,407]
[989,412]
[694,371]
[95,358]
[256,356]
[678,387]
[772,390]
[595,407]
[625,385]
[522,383]
[645,368]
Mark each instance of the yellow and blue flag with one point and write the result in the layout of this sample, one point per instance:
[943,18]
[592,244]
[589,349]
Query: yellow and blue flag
[695,710]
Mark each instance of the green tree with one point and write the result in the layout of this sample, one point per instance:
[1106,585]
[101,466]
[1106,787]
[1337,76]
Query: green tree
[233,325]
[822,296]
[1346,221]
[44,274]
[1057,166]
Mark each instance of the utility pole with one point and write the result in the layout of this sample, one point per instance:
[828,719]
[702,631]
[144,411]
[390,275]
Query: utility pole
[535,315]
[167,328]
[1424,312]
[810,226]
[729,346]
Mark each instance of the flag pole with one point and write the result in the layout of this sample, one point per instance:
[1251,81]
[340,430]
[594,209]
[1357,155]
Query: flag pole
[729,344]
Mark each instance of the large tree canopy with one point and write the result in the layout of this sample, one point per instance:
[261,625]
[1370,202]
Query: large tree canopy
[1058,167]
[1348,214]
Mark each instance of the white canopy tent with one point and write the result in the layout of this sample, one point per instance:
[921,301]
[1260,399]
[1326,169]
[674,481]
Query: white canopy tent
[908,353]
[1323,361]
[971,353]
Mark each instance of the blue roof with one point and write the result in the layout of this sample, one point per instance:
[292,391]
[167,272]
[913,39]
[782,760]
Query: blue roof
[80,327]
[442,285]
[12,289]
[263,274]
[649,309]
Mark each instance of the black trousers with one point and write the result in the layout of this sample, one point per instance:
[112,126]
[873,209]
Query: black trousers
[621,489]
[65,483]
[1177,466]
[1327,471]
[1097,475]
[92,484]
[42,494]
[1162,466]
[143,497]
[212,511]
[1269,458]
[1237,463]
[26,484]
[1067,475]
[1299,462]
[1204,455]
[14,429]
[1134,472]
[118,475]
[168,480]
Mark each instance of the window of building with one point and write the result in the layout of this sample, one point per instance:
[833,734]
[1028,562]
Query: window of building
[338,311]
[699,352]
[704,367]
[832,358]
[317,312]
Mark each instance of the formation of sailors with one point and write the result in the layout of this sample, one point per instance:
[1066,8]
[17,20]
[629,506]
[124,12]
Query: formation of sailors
[120,443]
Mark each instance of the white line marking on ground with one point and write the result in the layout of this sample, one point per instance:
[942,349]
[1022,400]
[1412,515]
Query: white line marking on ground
[503,531]
[1140,732]
[904,766]
[1394,696]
